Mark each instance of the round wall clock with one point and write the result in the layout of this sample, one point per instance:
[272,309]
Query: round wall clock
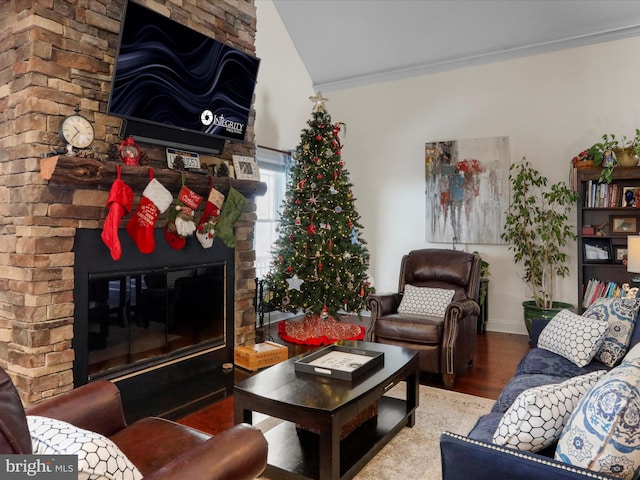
[77,131]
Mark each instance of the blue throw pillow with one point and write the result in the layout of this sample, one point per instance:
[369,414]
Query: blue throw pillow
[603,433]
[620,315]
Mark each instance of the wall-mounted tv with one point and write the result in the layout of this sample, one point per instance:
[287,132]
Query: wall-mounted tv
[174,85]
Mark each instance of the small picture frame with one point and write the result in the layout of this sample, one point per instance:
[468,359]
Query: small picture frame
[245,168]
[623,225]
[596,250]
[620,253]
[629,199]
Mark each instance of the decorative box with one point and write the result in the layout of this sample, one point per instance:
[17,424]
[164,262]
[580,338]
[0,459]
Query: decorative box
[260,355]
[588,230]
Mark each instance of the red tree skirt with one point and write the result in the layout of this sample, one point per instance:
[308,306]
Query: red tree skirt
[313,330]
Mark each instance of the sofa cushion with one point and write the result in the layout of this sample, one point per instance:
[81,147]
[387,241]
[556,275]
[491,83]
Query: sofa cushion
[485,427]
[98,457]
[603,431]
[573,336]
[425,300]
[540,361]
[620,315]
[537,416]
[519,384]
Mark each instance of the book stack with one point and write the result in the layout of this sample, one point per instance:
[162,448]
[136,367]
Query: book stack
[596,289]
[602,195]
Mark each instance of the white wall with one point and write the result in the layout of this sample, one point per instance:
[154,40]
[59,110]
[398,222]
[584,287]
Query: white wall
[284,86]
[551,106]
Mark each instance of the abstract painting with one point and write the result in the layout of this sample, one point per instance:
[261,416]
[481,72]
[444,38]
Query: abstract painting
[467,190]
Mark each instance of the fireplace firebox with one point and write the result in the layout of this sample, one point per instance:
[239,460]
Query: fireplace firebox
[159,325]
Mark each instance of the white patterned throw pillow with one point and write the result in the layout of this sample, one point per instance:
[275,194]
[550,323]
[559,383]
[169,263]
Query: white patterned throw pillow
[538,415]
[573,337]
[602,434]
[98,457]
[620,315]
[425,300]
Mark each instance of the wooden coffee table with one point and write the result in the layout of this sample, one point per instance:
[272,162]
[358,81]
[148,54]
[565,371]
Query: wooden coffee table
[325,406]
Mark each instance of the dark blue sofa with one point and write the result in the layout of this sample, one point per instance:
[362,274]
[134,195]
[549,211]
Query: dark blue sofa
[475,456]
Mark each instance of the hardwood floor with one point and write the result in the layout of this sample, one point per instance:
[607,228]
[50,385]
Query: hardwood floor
[497,356]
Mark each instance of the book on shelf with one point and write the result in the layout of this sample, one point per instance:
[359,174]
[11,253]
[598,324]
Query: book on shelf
[596,289]
[602,195]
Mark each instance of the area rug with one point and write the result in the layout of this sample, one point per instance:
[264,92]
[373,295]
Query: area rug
[414,453]
[314,330]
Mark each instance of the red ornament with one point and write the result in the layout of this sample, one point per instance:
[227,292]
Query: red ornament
[129,151]
[320,266]
[362,292]
[318,137]
[312,229]
[319,176]
[325,312]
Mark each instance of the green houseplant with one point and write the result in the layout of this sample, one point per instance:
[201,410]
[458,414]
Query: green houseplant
[537,230]
[601,152]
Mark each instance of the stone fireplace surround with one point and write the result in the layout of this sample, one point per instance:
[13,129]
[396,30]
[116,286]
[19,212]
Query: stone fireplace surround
[55,55]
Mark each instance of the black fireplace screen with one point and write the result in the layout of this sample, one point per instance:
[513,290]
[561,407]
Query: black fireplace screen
[146,316]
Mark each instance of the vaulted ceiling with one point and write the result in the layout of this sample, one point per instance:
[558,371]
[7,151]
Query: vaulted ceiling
[347,43]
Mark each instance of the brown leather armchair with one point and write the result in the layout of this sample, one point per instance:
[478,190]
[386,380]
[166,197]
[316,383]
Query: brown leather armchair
[159,448]
[446,345]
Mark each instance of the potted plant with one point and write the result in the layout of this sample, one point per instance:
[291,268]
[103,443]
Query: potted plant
[628,152]
[603,155]
[537,230]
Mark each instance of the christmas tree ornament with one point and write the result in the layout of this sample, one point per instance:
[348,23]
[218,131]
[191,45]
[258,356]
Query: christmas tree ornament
[119,204]
[155,200]
[325,312]
[294,283]
[206,230]
[181,223]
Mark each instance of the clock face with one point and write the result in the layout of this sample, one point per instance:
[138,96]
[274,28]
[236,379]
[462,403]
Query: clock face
[77,131]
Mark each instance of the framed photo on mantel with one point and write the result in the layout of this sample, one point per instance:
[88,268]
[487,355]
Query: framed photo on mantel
[245,168]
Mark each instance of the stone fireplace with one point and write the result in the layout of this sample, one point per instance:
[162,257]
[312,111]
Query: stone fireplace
[54,56]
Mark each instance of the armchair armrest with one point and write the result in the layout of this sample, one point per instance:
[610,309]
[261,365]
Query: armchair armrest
[463,308]
[464,458]
[239,452]
[384,303]
[96,406]
[381,304]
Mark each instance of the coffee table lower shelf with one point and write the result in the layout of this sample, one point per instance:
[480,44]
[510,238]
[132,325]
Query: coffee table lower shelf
[293,453]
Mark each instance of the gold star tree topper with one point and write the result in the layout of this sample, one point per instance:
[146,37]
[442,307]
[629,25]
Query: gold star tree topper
[318,102]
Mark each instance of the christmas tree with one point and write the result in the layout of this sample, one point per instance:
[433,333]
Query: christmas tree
[320,262]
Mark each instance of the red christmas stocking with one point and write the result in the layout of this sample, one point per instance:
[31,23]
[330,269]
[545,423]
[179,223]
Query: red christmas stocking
[119,203]
[155,200]
[181,224]
[206,227]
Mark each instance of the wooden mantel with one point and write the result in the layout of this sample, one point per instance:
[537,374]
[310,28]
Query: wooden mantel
[76,172]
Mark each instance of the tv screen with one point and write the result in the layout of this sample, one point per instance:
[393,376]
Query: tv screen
[169,75]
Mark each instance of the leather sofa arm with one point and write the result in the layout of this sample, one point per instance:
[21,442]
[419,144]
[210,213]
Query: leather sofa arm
[463,458]
[239,452]
[96,406]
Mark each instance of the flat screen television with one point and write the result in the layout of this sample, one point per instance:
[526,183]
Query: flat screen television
[174,85]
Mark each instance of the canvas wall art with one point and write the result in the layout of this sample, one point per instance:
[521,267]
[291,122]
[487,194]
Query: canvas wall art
[467,190]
